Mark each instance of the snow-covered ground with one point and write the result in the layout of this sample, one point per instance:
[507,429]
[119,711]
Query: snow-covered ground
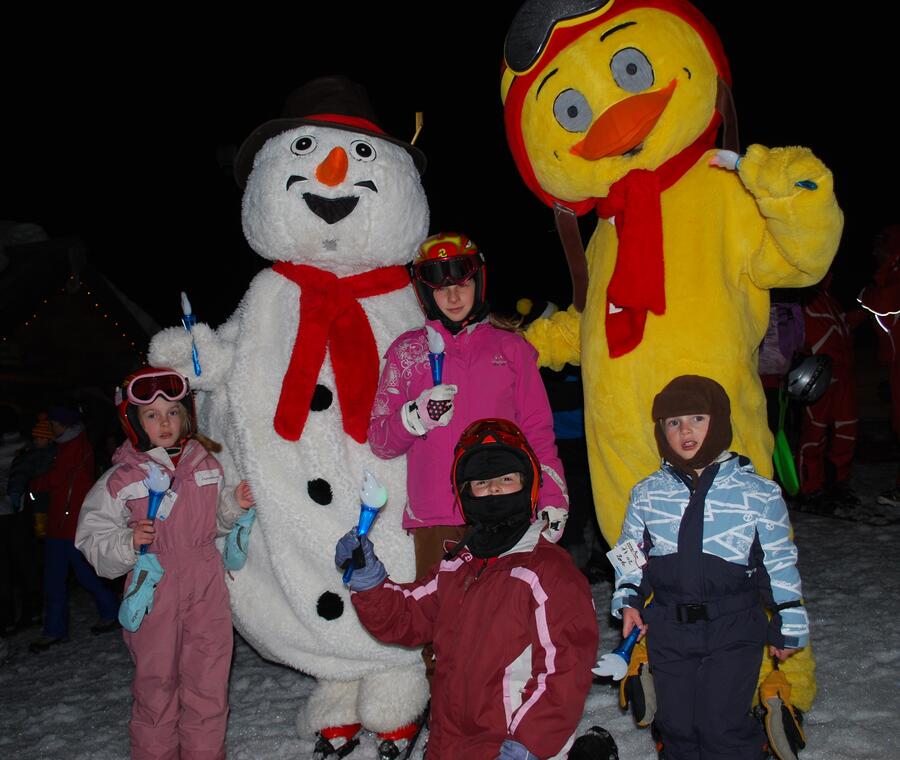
[73,700]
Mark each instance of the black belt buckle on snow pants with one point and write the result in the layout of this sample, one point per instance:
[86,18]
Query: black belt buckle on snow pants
[690,613]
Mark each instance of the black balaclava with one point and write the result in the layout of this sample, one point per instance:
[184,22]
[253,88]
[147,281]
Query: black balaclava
[496,522]
[693,394]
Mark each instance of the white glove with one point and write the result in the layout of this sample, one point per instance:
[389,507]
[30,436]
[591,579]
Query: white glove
[556,522]
[433,408]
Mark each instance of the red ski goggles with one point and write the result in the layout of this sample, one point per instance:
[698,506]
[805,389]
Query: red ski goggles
[439,273]
[144,389]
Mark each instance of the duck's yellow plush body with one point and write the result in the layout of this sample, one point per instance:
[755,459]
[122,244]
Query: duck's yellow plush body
[580,121]
[724,249]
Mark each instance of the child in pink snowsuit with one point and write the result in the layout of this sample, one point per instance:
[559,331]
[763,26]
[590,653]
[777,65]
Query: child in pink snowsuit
[182,649]
[487,372]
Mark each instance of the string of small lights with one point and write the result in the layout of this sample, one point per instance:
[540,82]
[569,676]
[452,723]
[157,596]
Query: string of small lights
[75,285]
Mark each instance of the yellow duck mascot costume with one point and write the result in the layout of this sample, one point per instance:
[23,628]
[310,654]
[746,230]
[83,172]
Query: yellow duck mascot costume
[613,106]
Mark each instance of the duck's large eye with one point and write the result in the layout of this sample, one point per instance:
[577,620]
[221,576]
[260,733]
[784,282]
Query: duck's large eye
[303,146]
[362,151]
[632,70]
[572,111]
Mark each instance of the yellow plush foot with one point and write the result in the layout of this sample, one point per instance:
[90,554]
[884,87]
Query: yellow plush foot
[800,671]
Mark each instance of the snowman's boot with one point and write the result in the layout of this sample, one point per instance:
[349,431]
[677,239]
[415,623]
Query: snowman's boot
[329,710]
[393,698]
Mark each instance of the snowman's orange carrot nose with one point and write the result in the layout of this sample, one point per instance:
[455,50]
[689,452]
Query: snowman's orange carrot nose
[333,169]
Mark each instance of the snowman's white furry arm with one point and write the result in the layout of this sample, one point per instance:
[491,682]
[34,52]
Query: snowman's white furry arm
[172,348]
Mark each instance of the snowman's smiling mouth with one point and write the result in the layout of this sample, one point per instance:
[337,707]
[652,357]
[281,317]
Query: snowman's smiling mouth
[331,210]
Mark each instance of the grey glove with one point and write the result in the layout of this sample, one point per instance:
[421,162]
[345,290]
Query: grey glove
[512,750]
[368,570]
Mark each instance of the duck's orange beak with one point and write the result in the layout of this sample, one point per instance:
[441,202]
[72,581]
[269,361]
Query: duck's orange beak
[624,125]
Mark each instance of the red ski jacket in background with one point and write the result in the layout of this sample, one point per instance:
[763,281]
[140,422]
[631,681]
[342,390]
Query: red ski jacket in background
[67,482]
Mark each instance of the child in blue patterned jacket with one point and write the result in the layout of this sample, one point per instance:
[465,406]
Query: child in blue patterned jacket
[711,540]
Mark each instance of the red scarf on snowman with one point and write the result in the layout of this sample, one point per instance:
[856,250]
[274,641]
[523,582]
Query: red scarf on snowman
[331,317]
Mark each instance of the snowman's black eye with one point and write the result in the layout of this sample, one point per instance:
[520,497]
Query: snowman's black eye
[572,111]
[303,146]
[362,151]
[632,70]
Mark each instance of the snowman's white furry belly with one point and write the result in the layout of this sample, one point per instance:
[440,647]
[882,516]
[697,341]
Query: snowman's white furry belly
[290,580]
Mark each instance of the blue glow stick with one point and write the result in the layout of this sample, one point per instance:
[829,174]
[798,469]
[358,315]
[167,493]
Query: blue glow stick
[157,483]
[616,663]
[372,497]
[436,349]
[189,320]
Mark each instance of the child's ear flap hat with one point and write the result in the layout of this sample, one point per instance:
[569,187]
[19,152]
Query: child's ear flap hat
[693,394]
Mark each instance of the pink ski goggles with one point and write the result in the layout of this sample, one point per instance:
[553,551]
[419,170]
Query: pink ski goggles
[145,389]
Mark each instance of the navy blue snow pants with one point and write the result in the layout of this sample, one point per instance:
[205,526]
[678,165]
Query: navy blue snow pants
[705,675]
[60,554]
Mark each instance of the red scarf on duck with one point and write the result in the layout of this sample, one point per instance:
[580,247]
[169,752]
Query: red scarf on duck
[331,317]
[638,282]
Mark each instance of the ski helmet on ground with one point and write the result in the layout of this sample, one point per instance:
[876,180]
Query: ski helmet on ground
[449,258]
[144,387]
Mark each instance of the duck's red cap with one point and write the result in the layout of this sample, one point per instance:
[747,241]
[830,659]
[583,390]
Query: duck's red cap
[536,36]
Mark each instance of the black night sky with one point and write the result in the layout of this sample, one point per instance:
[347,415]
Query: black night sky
[115,129]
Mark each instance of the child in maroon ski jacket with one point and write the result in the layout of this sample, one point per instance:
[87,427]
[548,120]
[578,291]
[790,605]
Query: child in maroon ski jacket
[511,618]
[182,651]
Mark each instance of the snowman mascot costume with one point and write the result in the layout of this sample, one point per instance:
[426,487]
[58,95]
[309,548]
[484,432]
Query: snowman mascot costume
[287,385]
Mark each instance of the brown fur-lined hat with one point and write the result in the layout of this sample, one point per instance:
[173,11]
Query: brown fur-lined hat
[693,394]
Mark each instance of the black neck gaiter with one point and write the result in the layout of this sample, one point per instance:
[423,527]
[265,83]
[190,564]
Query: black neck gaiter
[496,522]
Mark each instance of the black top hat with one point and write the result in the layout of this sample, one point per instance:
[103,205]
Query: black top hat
[334,102]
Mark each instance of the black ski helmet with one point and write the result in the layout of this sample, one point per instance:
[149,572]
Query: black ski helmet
[809,378]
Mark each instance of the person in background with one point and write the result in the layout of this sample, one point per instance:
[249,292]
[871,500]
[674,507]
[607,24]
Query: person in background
[828,427]
[33,459]
[882,300]
[67,482]
[10,443]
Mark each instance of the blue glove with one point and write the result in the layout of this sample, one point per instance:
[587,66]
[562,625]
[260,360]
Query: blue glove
[138,599]
[368,570]
[234,554]
[512,750]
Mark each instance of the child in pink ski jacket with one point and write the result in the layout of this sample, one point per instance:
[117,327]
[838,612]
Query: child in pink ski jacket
[487,372]
[182,649]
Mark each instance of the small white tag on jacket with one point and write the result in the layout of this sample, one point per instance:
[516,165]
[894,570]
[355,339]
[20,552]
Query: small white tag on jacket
[627,557]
